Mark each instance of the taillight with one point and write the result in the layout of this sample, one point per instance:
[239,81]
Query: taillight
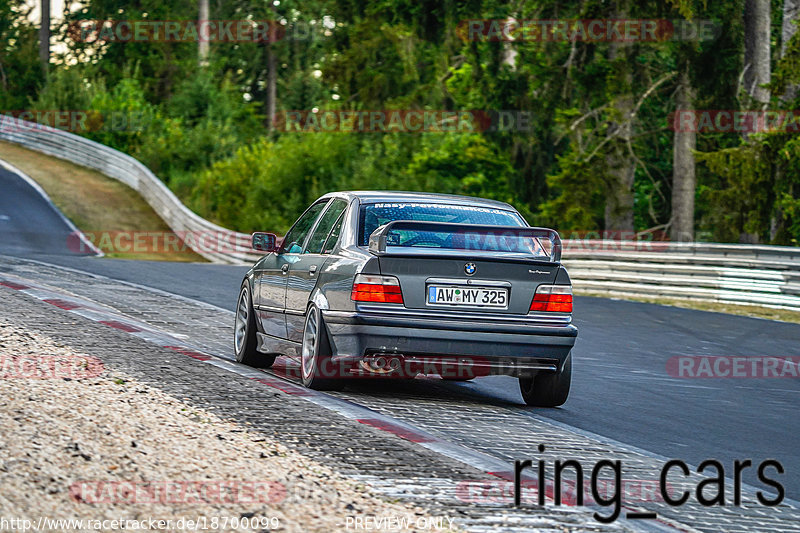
[554,298]
[372,288]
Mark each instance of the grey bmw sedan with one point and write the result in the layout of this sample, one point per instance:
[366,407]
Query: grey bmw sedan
[374,284]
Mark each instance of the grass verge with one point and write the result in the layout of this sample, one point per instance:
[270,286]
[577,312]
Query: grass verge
[94,202]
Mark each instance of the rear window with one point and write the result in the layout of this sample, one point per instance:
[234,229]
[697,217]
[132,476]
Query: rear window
[373,216]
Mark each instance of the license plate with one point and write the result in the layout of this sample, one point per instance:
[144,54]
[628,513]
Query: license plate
[466,296]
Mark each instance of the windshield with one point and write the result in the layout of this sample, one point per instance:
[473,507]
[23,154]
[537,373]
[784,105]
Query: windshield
[373,216]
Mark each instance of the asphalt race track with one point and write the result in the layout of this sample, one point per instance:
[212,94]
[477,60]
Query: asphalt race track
[29,224]
[621,389]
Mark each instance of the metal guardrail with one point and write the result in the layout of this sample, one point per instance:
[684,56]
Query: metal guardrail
[727,273]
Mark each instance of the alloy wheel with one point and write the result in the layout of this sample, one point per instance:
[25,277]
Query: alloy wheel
[242,316]
[310,339]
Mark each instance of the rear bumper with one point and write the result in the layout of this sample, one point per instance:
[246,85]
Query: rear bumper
[505,345]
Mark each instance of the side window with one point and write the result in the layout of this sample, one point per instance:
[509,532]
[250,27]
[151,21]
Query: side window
[293,241]
[326,222]
[333,239]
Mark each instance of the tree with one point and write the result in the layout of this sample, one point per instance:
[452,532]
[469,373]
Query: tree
[757,69]
[684,181]
[791,10]
[20,67]
[620,165]
[44,34]
[757,49]
[757,198]
[272,72]
[202,44]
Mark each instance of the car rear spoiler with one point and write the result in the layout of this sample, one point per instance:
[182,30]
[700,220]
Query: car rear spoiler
[378,239]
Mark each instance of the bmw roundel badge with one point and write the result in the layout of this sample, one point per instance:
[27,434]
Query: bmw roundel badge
[470,268]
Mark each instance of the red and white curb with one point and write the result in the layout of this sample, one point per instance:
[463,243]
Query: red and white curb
[108,317]
[103,315]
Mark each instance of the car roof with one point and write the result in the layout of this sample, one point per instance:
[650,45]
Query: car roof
[369,197]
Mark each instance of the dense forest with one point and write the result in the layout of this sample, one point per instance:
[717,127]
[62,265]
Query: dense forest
[671,119]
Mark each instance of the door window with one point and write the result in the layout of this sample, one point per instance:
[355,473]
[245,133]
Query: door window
[333,238]
[326,223]
[294,240]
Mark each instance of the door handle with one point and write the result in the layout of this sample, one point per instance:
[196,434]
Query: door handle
[312,269]
[285,268]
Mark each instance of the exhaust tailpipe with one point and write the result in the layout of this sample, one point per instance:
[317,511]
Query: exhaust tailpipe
[382,363]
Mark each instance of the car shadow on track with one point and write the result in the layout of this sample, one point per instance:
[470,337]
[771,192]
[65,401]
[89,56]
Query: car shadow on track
[431,389]
[495,391]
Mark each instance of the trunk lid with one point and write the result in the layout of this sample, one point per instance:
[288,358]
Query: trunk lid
[420,276]
[469,268]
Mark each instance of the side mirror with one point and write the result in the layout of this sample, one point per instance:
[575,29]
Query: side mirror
[264,242]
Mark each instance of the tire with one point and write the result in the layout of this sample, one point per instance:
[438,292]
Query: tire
[315,352]
[245,340]
[548,389]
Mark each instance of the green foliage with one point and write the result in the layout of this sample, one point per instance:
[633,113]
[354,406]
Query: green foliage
[460,164]
[125,115]
[20,71]
[203,129]
[384,68]
[577,202]
[161,64]
[761,190]
[756,187]
[206,121]
[68,89]
[266,184]
[744,169]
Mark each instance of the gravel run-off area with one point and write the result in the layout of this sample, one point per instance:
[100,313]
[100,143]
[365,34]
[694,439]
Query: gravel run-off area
[82,441]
